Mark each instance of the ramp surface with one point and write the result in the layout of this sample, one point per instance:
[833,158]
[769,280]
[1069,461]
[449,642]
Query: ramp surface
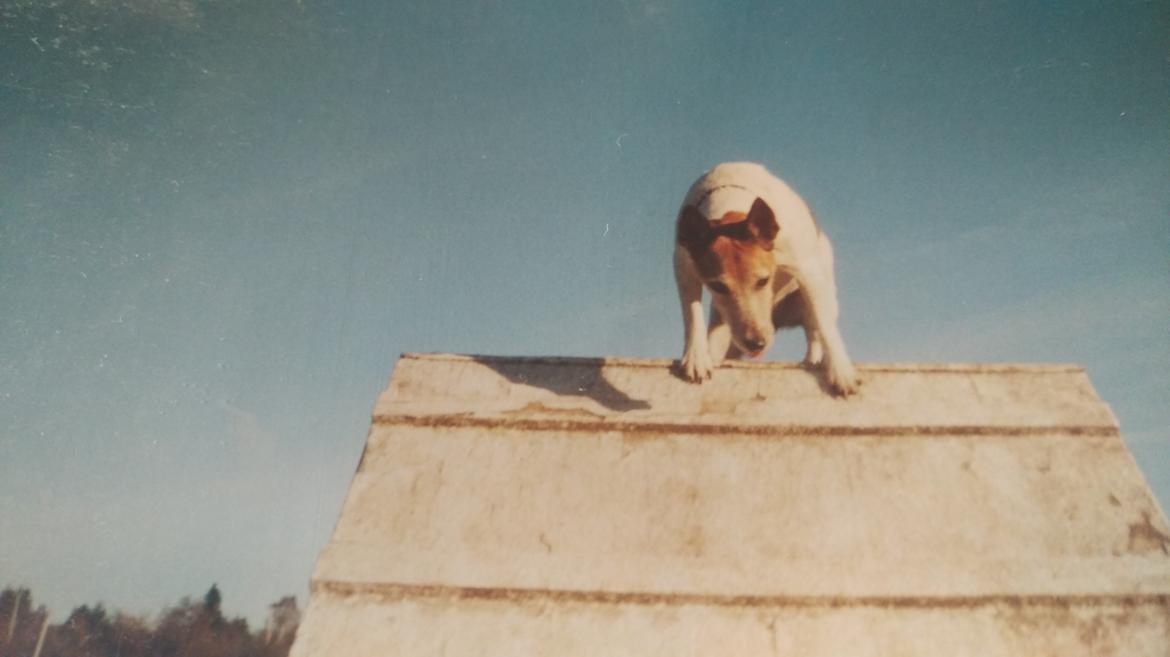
[523,506]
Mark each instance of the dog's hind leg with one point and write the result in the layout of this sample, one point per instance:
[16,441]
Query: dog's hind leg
[792,310]
[719,339]
[814,354]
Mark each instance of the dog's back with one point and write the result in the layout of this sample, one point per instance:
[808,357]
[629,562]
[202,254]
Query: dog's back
[798,230]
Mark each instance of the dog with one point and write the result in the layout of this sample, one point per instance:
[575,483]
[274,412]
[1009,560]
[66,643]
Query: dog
[752,241]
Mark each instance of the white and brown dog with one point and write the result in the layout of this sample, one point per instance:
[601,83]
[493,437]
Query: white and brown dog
[753,242]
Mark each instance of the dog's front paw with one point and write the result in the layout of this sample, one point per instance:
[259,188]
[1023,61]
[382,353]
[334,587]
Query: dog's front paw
[843,379]
[696,365]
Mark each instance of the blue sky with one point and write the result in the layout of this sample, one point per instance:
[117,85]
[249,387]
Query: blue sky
[219,228]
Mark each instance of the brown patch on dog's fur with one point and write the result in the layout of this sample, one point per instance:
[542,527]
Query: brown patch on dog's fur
[697,234]
[762,222]
[732,218]
[737,261]
[693,231]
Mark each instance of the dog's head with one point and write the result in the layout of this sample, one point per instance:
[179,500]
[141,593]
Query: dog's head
[734,258]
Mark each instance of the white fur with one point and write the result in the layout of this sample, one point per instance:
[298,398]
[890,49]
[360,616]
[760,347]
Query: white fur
[804,265]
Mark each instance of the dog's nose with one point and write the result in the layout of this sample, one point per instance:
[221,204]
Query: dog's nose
[754,344]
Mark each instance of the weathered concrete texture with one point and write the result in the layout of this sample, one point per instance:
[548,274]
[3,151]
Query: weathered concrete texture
[604,507]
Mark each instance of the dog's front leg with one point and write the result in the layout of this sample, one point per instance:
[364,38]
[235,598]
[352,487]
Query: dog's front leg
[696,359]
[821,301]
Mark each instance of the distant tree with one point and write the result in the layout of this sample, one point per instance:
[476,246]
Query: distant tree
[283,619]
[20,622]
[14,603]
[87,632]
[189,629]
[175,628]
[211,602]
[91,632]
[132,637]
[200,630]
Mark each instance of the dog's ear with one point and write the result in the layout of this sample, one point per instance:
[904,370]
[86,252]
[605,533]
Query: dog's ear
[693,231]
[762,222]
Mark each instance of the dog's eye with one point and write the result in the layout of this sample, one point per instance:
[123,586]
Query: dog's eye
[762,282]
[717,287]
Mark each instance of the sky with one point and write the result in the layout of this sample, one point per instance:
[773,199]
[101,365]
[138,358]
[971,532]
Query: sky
[222,221]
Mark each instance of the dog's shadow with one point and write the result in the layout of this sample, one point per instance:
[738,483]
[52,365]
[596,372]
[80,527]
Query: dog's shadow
[583,378]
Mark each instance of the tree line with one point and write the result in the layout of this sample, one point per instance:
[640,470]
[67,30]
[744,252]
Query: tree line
[192,628]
